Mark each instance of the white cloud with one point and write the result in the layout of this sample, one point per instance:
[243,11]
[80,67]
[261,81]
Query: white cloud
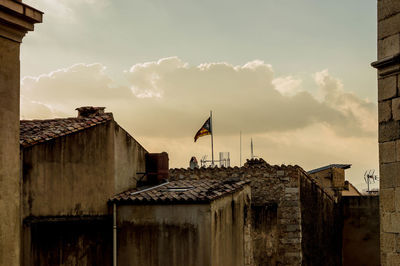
[287,86]
[246,97]
[166,101]
[348,103]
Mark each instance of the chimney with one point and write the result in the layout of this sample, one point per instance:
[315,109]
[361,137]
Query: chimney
[90,111]
[157,167]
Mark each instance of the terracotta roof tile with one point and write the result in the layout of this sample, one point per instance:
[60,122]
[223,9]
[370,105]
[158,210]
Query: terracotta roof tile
[37,131]
[180,191]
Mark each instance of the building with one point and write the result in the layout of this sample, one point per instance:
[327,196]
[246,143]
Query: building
[93,195]
[388,66]
[279,226]
[297,219]
[185,222]
[16,19]
[70,168]
[333,177]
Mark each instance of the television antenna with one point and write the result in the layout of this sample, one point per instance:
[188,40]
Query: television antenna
[370,178]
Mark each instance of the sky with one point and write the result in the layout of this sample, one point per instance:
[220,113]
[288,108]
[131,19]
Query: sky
[293,75]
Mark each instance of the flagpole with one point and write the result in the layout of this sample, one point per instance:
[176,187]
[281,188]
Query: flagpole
[212,140]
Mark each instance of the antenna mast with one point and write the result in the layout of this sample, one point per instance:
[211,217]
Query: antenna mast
[370,178]
[251,147]
[240,160]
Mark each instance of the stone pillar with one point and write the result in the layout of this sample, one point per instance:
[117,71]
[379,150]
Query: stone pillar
[15,20]
[388,66]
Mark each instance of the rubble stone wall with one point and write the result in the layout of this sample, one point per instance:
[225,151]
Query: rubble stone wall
[275,193]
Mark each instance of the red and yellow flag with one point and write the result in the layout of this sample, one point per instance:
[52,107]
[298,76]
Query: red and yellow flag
[204,130]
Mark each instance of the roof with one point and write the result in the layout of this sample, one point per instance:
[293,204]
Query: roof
[181,191]
[38,131]
[351,191]
[342,166]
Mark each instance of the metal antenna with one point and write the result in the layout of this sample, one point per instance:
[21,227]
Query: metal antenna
[370,178]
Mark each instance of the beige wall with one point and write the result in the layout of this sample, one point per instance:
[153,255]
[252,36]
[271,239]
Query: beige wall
[230,222]
[15,21]
[9,152]
[78,173]
[71,175]
[129,160]
[325,176]
[331,178]
[389,128]
[161,235]
[214,234]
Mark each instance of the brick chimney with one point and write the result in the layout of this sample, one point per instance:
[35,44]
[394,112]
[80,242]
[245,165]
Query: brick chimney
[89,111]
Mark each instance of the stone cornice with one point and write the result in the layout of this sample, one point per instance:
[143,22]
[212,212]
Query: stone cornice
[387,61]
[388,66]
[16,19]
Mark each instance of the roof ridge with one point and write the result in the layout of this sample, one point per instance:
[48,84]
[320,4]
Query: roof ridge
[39,131]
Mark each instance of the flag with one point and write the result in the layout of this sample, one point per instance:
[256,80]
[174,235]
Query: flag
[204,130]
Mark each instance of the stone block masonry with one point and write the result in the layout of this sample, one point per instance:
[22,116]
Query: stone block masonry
[388,66]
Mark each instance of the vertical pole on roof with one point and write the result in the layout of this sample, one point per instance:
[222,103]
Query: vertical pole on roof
[114,234]
[251,148]
[240,160]
[212,140]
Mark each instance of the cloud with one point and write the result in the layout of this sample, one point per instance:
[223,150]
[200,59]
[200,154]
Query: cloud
[178,97]
[362,111]
[163,103]
[287,86]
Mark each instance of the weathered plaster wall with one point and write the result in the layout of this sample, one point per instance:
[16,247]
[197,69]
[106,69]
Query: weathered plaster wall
[321,224]
[389,128]
[9,152]
[361,230]
[270,185]
[70,175]
[264,234]
[74,176]
[164,235]
[129,160]
[78,243]
[230,230]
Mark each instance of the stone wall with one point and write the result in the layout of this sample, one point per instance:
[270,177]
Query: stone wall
[275,198]
[361,230]
[321,223]
[388,66]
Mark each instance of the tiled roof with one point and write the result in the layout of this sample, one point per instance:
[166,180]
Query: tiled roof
[343,166]
[37,131]
[181,191]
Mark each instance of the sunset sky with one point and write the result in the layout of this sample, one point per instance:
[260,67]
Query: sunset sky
[294,75]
